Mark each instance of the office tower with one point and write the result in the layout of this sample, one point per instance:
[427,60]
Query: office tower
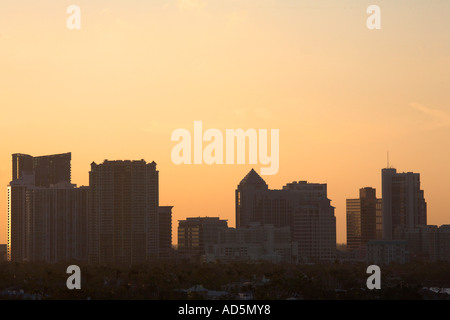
[46,221]
[364,219]
[165,231]
[123,212]
[248,210]
[302,206]
[403,201]
[194,234]
[47,170]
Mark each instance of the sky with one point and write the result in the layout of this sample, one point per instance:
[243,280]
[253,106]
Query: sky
[340,94]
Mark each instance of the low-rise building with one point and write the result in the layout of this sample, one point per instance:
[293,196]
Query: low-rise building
[254,243]
[382,252]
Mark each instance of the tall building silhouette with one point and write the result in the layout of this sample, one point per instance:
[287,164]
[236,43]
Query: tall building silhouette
[364,219]
[165,231]
[21,163]
[47,170]
[47,215]
[123,212]
[403,201]
[302,206]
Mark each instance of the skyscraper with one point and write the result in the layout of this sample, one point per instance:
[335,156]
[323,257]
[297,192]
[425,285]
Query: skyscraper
[47,216]
[403,201]
[302,206]
[123,212]
[165,231]
[21,163]
[364,219]
[47,170]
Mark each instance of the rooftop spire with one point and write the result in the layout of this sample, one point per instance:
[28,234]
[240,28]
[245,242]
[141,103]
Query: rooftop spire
[253,178]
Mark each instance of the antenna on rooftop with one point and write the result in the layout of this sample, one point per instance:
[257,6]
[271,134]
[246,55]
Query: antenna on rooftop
[388,165]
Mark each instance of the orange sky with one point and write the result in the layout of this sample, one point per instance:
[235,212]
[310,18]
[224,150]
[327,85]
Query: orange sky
[340,94]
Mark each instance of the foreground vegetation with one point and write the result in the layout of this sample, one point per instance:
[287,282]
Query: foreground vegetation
[166,280]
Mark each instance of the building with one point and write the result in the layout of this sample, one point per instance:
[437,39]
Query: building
[3,250]
[255,242]
[403,201]
[303,207]
[364,219]
[47,170]
[195,233]
[444,242]
[47,215]
[384,252]
[123,212]
[423,241]
[165,231]
[426,243]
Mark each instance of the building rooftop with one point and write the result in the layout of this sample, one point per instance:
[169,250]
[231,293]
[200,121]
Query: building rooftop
[253,178]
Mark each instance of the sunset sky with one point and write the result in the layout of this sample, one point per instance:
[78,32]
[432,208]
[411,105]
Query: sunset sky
[340,94]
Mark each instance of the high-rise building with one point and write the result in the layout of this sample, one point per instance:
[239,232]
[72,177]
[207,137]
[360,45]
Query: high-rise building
[3,251]
[47,216]
[195,233]
[47,170]
[302,206]
[165,231]
[403,201]
[123,212]
[364,219]
[18,221]
[21,163]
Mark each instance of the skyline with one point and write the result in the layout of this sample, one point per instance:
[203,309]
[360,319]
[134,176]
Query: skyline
[64,168]
[341,95]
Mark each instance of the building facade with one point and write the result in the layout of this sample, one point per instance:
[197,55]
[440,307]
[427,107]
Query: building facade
[384,252]
[47,170]
[123,212]
[403,201]
[444,242]
[364,219]
[165,231]
[303,207]
[195,233]
[255,242]
[47,215]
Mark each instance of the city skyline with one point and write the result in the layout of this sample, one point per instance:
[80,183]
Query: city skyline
[50,173]
[341,95]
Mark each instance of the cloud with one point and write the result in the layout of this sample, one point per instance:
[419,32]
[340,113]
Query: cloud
[439,118]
